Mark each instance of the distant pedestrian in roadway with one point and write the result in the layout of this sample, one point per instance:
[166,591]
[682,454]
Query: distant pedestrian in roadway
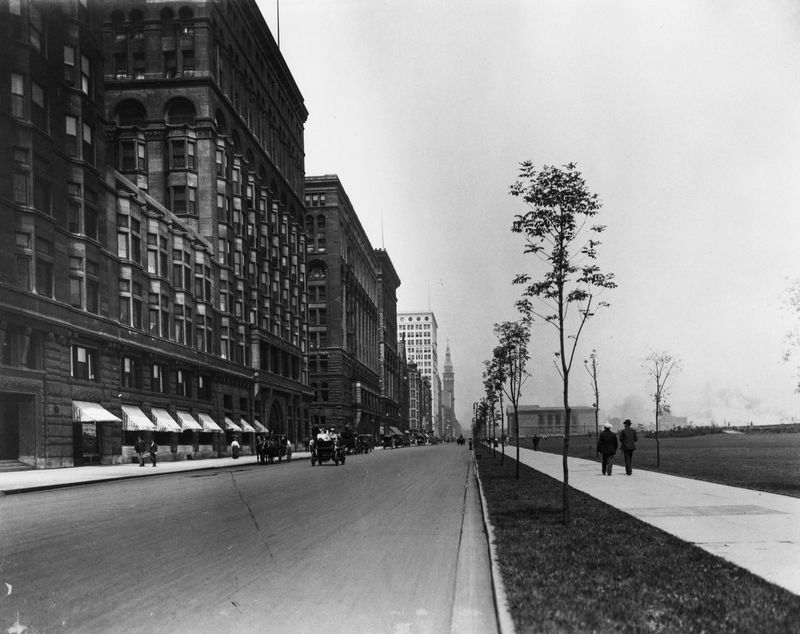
[607,447]
[153,452]
[536,442]
[627,440]
[140,448]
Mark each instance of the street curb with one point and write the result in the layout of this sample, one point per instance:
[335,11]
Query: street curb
[198,466]
[504,621]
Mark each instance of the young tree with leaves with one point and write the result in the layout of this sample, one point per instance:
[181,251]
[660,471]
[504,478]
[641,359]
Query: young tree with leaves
[494,376]
[512,357]
[492,397]
[661,366]
[558,232]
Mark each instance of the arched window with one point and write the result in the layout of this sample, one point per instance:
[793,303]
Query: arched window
[317,271]
[180,112]
[130,113]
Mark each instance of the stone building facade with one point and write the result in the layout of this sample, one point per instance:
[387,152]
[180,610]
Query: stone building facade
[154,280]
[352,310]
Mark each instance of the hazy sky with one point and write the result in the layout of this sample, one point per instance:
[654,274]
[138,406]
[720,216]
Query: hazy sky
[683,116]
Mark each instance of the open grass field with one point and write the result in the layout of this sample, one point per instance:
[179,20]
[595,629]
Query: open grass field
[608,572]
[763,461]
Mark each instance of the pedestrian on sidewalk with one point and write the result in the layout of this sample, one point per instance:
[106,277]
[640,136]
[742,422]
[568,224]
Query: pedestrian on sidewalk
[627,440]
[235,447]
[139,448]
[153,451]
[607,446]
[536,442]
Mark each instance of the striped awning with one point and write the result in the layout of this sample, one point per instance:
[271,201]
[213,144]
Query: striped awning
[164,421]
[395,431]
[246,427]
[260,429]
[188,421]
[88,412]
[208,423]
[231,426]
[134,419]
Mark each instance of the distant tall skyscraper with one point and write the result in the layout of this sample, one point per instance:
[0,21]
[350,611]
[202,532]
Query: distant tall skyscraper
[449,423]
[420,331]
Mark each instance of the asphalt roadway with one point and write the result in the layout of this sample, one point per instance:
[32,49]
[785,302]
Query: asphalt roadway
[393,541]
[755,530]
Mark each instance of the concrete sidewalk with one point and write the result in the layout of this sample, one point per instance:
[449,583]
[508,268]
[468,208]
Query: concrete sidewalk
[41,479]
[757,531]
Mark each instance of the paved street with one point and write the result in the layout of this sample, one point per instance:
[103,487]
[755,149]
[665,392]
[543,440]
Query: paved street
[289,548]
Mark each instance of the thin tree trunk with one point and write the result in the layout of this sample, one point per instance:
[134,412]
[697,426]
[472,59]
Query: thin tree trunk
[566,514]
[502,432]
[516,434]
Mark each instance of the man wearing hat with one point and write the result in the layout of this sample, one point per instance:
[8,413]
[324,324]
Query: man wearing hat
[607,447]
[628,438]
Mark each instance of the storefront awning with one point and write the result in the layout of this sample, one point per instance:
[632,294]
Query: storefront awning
[188,421]
[88,412]
[231,426]
[246,427]
[164,421]
[134,419]
[208,423]
[260,429]
[396,431]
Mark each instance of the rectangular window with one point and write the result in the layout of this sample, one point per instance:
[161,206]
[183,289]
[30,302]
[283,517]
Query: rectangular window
[88,150]
[130,373]
[71,128]
[20,186]
[22,264]
[76,292]
[44,267]
[18,95]
[39,107]
[42,195]
[69,64]
[83,363]
[86,76]
[35,35]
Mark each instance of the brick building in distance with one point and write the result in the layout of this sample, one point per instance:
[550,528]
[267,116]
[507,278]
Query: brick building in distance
[353,362]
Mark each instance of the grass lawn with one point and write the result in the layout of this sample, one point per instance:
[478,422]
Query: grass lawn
[762,461]
[609,572]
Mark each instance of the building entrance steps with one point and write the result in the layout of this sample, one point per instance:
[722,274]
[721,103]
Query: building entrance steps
[755,530]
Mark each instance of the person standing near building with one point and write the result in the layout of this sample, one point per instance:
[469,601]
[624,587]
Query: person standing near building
[607,446]
[627,440]
[139,448]
[153,451]
[235,447]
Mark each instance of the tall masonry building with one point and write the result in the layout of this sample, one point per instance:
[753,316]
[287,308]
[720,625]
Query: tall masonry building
[418,330]
[153,258]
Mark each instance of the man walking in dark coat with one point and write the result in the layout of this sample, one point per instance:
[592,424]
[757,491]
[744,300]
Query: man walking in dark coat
[627,439]
[607,447]
[139,448]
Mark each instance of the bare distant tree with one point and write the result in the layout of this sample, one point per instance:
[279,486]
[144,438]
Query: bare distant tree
[791,304]
[591,367]
[558,232]
[661,366]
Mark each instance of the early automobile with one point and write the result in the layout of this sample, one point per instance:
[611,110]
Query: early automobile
[327,446]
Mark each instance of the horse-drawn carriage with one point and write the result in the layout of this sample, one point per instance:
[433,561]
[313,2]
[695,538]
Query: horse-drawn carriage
[273,447]
[327,446]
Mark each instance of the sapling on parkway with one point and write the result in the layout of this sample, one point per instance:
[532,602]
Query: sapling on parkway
[564,291]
